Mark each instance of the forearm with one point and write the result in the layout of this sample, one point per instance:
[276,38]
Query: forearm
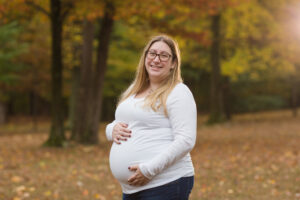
[177,150]
[109,130]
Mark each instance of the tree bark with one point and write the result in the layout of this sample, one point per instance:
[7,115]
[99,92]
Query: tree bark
[227,100]
[216,102]
[101,65]
[33,109]
[56,137]
[73,101]
[2,113]
[82,119]
[91,84]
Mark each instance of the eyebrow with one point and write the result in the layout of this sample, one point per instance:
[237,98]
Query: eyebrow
[160,52]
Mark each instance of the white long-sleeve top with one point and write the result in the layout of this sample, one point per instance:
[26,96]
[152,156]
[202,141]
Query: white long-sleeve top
[160,145]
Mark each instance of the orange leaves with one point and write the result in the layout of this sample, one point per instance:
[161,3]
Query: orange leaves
[85,192]
[17,179]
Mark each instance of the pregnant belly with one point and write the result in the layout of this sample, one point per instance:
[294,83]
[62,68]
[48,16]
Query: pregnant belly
[130,153]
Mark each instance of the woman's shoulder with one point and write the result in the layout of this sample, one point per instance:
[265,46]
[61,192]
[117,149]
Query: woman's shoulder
[181,87]
[181,90]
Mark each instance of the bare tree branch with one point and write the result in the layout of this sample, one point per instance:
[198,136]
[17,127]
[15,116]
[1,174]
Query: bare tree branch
[37,7]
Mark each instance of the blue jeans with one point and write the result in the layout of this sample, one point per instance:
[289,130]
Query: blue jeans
[179,189]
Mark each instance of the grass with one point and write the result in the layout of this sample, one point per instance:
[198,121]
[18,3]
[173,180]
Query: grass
[255,156]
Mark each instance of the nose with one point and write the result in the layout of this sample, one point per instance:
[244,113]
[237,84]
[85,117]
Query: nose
[156,59]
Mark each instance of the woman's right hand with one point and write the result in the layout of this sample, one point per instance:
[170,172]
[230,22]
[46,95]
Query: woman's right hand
[120,132]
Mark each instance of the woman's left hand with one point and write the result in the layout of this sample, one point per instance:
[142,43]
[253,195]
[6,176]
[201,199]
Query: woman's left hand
[137,179]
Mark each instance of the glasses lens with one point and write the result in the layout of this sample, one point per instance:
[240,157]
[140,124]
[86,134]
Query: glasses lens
[151,54]
[164,57]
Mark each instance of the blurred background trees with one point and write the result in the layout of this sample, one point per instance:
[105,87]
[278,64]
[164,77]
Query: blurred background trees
[237,56]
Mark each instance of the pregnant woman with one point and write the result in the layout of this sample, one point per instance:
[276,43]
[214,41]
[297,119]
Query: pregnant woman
[155,128]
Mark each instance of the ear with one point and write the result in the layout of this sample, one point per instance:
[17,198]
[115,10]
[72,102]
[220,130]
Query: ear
[173,66]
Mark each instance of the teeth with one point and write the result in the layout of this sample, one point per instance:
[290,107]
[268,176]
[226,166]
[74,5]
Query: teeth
[156,66]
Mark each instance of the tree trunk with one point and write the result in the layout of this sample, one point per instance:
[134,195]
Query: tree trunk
[74,96]
[33,109]
[91,84]
[82,119]
[216,99]
[227,100]
[2,113]
[56,137]
[294,96]
[101,65]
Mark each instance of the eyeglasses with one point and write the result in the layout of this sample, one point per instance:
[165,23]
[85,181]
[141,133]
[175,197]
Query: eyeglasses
[163,57]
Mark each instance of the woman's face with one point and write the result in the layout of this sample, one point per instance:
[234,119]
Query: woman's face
[158,61]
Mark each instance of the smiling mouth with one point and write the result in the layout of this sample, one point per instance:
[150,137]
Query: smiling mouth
[155,67]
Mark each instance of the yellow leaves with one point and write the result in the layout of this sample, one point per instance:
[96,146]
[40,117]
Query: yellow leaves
[99,196]
[42,164]
[271,182]
[160,14]
[86,193]
[48,193]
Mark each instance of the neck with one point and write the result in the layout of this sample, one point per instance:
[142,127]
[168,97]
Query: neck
[154,84]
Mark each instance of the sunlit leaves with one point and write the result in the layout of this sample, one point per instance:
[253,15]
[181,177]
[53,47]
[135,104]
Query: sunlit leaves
[253,43]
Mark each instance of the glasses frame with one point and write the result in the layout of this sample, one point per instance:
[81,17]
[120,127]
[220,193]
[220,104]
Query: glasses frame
[158,54]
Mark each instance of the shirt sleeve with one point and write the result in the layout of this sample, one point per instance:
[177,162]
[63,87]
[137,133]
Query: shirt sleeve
[182,114]
[109,129]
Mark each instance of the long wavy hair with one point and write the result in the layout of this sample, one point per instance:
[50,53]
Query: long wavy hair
[157,98]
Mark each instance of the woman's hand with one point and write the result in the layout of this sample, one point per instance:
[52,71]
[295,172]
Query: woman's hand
[137,179]
[120,132]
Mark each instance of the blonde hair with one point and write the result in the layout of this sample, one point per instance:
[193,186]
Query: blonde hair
[157,98]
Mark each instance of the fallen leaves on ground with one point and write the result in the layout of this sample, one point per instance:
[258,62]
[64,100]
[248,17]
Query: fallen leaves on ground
[255,156]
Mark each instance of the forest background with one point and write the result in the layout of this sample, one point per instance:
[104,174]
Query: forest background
[65,62]
[72,59]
